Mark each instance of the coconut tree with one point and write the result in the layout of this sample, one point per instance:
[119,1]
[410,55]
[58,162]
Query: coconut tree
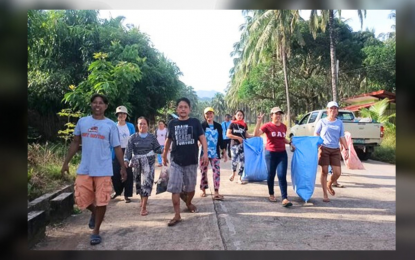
[268,36]
[378,113]
[317,22]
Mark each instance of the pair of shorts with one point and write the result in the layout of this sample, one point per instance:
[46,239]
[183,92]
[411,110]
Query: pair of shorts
[182,178]
[92,190]
[329,156]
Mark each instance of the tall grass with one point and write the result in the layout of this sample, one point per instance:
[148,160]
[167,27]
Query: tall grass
[386,152]
[44,168]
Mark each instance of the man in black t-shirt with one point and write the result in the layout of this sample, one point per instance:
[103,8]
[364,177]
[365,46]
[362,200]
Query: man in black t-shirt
[184,133]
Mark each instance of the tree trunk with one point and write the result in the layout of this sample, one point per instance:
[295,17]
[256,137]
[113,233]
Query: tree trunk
[332,55]
[284,65]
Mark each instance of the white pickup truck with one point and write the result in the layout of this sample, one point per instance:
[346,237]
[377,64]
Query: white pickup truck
[365,135]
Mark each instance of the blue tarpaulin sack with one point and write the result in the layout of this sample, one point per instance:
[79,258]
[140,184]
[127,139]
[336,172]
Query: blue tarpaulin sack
[304,165]
[255,166]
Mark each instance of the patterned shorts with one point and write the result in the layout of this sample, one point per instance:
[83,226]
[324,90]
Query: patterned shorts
[182,178]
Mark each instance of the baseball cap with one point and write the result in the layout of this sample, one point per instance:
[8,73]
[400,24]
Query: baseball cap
[209,109]
[121,109]
[332,104]
[276,109]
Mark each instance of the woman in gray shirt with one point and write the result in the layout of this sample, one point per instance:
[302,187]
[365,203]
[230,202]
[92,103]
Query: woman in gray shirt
[140,154]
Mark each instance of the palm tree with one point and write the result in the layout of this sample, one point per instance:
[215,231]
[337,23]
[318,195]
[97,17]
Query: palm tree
[327,16]
[377,113]
[219,104]
[267,32]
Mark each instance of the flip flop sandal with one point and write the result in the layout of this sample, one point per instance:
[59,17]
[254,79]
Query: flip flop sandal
[326,200]
[192,209]
[272,199]
[287,204]
[174,222]
[114,195]
[338,185]
[95,239]
[203,195]
[91,223]
[242,182]
[231,178]
[218,197]
[331,191]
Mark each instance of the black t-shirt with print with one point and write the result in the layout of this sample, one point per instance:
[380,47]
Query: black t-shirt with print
[184,136]
[237,130]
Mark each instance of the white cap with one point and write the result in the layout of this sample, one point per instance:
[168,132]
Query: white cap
[332,104]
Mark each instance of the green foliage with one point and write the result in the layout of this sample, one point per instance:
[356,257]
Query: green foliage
[114,81]
[67,134]
[75,48]
[377,113]
[380,65]
[386,152]
[44,165]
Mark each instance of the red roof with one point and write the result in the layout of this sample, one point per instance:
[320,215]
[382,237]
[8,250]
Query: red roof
[372,96]
[358,107]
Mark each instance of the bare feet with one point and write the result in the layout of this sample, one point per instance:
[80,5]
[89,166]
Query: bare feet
[144,212]
[326,200]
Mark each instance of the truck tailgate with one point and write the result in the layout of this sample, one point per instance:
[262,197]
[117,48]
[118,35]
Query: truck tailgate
[363,130]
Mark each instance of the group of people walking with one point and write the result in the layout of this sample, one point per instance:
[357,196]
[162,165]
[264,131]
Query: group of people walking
[133,155]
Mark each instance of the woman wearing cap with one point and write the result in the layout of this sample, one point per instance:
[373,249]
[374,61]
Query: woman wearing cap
[331,130]
[140,154]
[125,129]
[161,134]
[275,153]
[237,131]
[215,144]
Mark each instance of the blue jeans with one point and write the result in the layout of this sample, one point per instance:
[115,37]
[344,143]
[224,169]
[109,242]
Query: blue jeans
[277,163]
[159,155]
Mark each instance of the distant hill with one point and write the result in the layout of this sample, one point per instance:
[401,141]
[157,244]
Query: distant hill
[206,93]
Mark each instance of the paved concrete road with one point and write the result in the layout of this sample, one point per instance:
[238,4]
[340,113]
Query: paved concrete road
[361,216]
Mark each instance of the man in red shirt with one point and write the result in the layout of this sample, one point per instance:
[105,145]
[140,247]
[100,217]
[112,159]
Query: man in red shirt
[275,153]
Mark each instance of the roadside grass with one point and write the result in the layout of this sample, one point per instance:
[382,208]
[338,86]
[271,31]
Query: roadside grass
[386,152]
[44,166]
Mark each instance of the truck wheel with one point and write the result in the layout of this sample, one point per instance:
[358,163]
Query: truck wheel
[363,156]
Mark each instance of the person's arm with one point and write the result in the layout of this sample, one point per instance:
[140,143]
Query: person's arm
[73,148]
[166,150]
[205,158]
[119,156]
[230,135]
[344,142]
[156,146]
[257,130]
[221,143]
[128,152]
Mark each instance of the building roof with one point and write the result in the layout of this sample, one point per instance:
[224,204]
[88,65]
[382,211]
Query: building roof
[371,97]
[355,108]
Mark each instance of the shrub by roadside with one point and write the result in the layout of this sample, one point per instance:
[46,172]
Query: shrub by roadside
[44,166]
[386,152]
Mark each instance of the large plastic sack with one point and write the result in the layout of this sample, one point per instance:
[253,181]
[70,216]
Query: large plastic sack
[255,166]
[304,165]
[353,162]
[163,180]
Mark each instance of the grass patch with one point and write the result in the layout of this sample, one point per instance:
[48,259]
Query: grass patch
[44,168]
[386,152]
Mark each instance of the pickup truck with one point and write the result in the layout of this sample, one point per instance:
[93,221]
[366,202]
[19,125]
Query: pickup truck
[365,135]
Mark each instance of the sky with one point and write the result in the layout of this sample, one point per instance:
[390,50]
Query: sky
[200,41]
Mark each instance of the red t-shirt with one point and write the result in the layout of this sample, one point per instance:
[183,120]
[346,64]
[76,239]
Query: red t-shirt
[275,136]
